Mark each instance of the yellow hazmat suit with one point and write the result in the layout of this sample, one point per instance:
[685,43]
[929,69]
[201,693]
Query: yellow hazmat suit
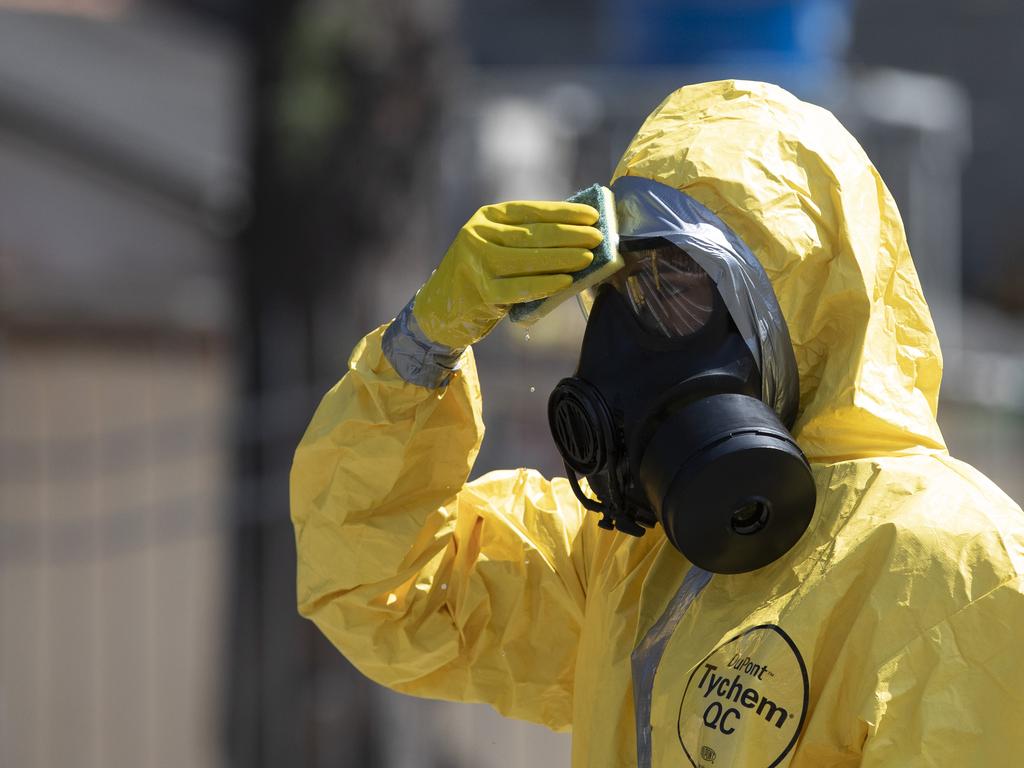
[888,636]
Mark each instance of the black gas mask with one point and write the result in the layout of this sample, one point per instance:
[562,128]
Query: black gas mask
[665,419]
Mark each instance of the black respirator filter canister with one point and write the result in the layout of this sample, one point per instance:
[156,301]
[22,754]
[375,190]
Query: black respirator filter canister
[728,483]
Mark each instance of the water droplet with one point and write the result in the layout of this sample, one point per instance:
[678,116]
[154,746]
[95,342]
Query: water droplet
[533,389]
[444,586]
[527,337]
[441,396]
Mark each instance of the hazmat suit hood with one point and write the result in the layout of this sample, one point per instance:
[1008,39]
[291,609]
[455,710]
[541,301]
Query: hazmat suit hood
[796,188]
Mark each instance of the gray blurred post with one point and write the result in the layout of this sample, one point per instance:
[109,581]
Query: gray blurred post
[342,106]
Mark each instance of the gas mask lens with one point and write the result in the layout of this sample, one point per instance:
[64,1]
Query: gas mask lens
[670,294]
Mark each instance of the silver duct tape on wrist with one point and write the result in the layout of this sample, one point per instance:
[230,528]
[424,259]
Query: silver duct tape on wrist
[415,358]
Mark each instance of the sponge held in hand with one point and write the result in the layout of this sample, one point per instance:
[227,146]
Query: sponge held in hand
[607,260]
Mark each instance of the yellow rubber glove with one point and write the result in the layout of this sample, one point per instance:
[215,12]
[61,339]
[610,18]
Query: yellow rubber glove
[506,253]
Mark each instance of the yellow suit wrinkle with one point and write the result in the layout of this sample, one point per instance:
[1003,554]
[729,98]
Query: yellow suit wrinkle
[373,526]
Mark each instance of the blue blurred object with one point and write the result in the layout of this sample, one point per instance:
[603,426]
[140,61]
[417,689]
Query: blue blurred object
[792,33]
[785,34]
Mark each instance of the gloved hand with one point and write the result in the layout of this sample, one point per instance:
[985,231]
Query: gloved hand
[506,253]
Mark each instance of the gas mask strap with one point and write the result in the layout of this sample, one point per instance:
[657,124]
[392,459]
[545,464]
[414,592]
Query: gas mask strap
[613,515]
[588,503]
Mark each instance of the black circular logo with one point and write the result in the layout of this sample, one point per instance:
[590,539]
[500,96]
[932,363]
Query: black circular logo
[745,702]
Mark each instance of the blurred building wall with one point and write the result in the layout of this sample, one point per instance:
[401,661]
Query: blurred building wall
[118,172]
[112,549]
[975,45]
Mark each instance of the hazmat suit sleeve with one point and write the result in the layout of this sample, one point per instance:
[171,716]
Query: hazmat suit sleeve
[429,585]
[954,694]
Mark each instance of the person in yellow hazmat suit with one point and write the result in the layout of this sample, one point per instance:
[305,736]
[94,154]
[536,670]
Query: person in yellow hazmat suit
[881,627]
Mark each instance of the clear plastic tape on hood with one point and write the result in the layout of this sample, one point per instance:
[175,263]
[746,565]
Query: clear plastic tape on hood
[647,209]
[669,292]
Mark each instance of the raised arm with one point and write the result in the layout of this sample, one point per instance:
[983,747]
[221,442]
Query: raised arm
[430,585]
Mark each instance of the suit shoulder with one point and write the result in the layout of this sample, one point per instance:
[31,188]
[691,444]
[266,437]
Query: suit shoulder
[915,540]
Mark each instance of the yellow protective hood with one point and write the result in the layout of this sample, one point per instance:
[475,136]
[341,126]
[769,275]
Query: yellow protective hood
[796,187]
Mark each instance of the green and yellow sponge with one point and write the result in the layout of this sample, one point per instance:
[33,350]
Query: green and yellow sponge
[607,260]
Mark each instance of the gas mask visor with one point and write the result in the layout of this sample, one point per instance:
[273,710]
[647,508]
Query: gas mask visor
[670,293]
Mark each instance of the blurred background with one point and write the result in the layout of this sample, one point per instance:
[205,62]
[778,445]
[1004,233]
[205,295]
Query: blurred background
[204,204]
